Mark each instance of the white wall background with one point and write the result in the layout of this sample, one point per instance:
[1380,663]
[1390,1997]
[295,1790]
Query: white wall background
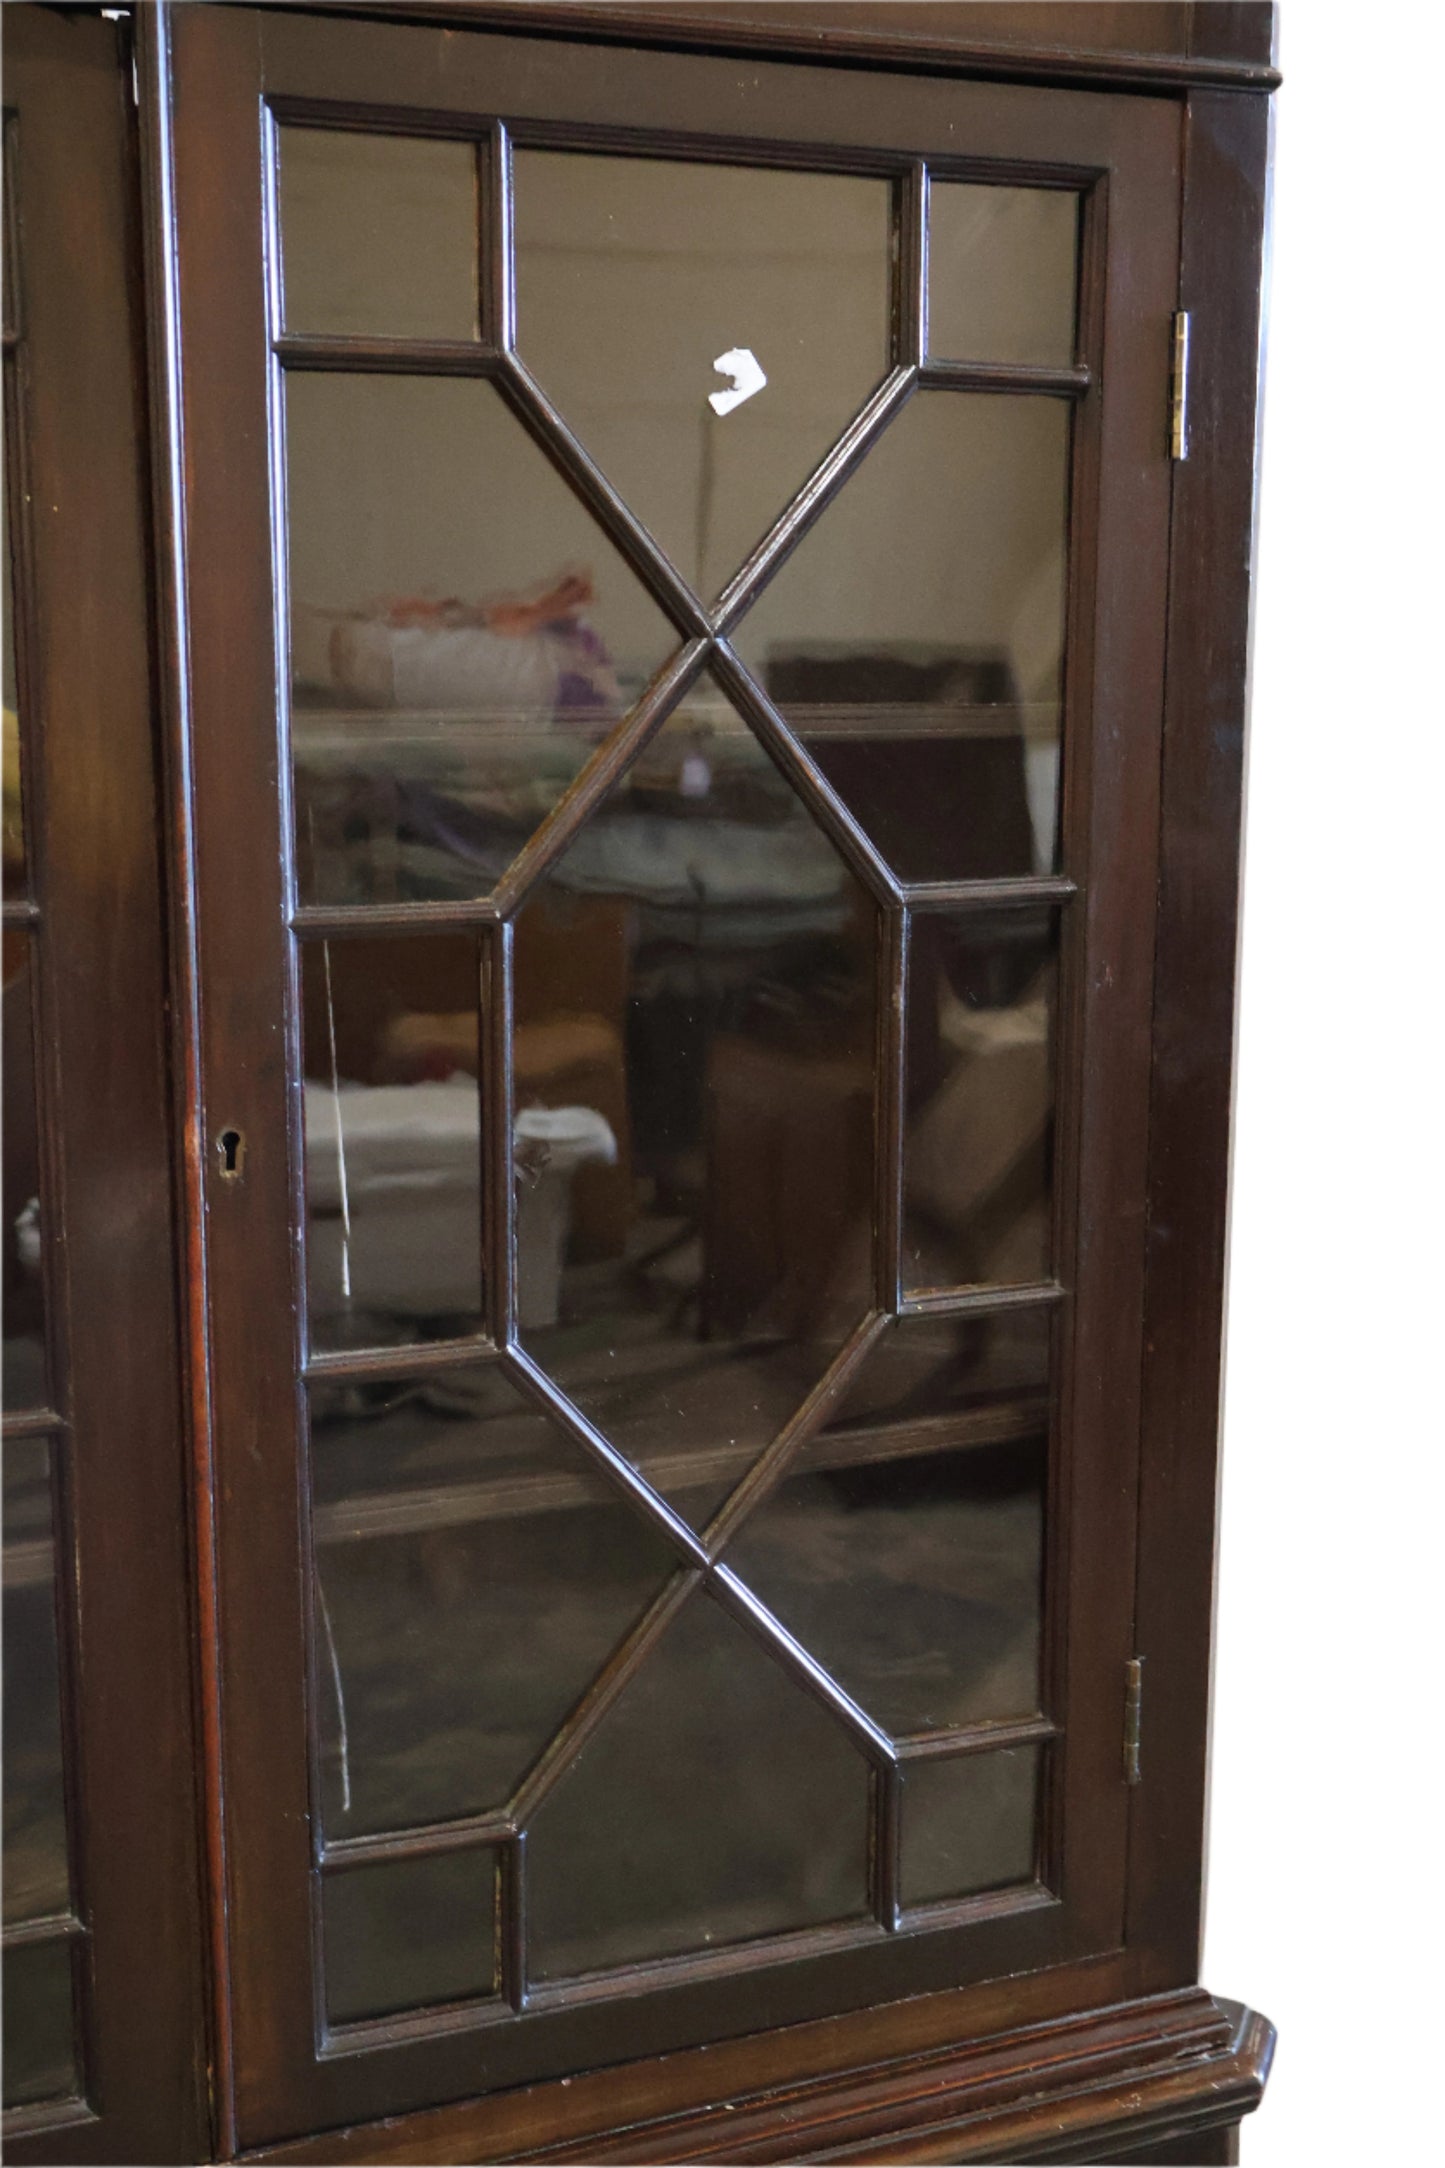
[1326,1827]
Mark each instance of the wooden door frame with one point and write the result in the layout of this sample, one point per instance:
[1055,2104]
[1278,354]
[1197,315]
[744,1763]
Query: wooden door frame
[87,698]
[1226,163]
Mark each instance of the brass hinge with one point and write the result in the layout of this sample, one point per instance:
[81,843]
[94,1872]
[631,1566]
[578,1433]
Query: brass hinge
[1179,389]
[1133,1710]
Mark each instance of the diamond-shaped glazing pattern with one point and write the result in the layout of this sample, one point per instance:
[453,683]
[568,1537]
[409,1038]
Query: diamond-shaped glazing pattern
[915,639]
[463,635]
[694,1055]
[904,1548]
[474,1572]
[694,1064]
[715,1803]
[635,276]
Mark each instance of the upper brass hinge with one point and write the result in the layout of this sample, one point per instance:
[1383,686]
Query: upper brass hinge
[1179,388]
[1133,1712]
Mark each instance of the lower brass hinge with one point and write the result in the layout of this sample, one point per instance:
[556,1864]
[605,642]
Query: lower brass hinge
[1133,1710]
[1179,388]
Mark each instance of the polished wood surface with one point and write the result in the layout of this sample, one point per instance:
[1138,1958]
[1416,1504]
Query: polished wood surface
[1166,2079]
[1170,43]
[96,835]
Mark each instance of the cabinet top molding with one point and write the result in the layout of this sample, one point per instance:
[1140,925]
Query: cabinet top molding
[1172,45]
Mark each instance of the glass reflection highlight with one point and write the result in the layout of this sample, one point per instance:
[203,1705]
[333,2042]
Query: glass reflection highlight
[393,1139]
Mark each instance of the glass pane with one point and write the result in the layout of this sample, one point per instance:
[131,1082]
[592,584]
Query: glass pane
[462,635]
[24,1352]
[969,1825]
[905,1550]
[393,1139]
[694,1079]
[473,1573]
[979,1103]
[39,2025]
[715,1802]
[37,1876]
[409,1932]
[13,819]
[637,278]
[1001,273]
[379,234]
[915,638]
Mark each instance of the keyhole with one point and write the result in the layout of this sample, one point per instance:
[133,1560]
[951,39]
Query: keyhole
[231,1150]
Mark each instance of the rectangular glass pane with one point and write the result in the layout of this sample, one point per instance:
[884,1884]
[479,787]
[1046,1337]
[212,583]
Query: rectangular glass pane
[695,989]
[1001,273]
[969,1824]
[407,1933]
[25,1362]
[463,635]
[393,1138]
[39,2025]
[716,1802]
[915,638]
[473,1574]
[37,1873]
[979,1098]
[904,1549]
[379,234]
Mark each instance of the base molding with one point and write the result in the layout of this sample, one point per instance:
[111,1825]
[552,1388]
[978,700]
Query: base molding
[1109,2084]
[1163,2078]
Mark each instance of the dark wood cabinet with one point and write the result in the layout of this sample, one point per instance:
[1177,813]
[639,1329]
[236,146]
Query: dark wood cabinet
[631,684]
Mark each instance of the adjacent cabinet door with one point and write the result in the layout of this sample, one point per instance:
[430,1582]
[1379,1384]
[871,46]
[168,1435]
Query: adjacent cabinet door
[671,558]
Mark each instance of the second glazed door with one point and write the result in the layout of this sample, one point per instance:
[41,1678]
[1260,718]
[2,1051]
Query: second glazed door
[674,598]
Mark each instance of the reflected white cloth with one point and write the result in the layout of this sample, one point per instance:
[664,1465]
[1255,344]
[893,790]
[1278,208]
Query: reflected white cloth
[413,1188]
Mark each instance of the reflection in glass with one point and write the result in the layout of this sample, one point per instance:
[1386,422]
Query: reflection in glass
[378,234]
[409,1932]
[474,1572]
[904,1550]
[13,829]
[635,275]
[24,1350]
[694,1017]
[1001,273]
[714,1803]
[393,1138]
[979,1098]
[39,2025]
[969,1825]
[463,635]
[37,1876]
[915,638]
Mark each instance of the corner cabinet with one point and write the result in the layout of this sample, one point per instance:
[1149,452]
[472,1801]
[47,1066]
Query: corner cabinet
[688,595]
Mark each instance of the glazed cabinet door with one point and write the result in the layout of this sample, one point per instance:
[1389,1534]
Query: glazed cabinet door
[670,555]
[103,2055]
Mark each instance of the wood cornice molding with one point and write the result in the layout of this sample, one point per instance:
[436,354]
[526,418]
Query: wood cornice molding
[1075,2088]
[845,36]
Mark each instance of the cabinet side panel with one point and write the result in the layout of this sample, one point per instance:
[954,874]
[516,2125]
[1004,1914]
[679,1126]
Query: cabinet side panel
[1212,548]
